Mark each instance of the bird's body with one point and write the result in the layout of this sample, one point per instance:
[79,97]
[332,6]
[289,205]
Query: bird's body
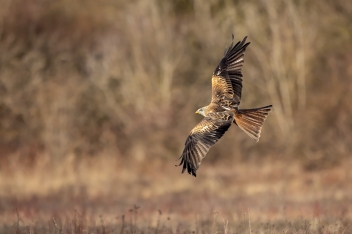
[223,110]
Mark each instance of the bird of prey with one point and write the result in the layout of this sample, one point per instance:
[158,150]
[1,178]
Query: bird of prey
[223,110]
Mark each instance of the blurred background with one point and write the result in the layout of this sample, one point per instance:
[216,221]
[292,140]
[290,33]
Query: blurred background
[98,97]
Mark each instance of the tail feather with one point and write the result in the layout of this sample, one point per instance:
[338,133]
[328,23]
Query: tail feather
[251,120]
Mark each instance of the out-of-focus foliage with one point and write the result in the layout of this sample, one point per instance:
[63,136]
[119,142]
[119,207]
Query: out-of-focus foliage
[125,77]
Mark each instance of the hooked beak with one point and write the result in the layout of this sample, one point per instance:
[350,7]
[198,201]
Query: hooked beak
[197,112]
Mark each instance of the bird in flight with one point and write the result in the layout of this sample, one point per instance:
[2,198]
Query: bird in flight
[223,110]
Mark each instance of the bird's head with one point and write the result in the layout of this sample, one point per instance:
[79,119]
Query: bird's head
[201,111]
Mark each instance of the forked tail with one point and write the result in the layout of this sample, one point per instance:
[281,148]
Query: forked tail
[251,120]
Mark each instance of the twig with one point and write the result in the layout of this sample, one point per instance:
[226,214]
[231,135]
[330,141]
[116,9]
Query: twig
[123,224]
[249,222]
[56,226]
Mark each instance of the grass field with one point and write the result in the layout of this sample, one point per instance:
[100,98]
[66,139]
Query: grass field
[101,196]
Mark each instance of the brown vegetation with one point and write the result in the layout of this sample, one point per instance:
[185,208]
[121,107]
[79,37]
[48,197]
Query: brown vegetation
[81,78]
[99,91]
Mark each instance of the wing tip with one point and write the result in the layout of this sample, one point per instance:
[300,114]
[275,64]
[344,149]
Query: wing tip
[233,37]
[192,172]
[187,165]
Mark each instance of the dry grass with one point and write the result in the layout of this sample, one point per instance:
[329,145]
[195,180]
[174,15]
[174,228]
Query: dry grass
[164,224]
[277,197]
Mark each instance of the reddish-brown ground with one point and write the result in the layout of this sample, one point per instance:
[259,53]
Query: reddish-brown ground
[98,193]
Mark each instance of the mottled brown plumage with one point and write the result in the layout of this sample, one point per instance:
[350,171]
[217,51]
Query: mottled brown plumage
[227,76]
[223,110]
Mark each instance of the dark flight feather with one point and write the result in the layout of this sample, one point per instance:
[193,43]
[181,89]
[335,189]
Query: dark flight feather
[203,136]
[229,73]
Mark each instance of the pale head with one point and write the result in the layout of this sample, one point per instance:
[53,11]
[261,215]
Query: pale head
[201,111]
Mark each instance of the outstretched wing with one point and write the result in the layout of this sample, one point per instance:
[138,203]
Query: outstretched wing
[227,76]
[203,136]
